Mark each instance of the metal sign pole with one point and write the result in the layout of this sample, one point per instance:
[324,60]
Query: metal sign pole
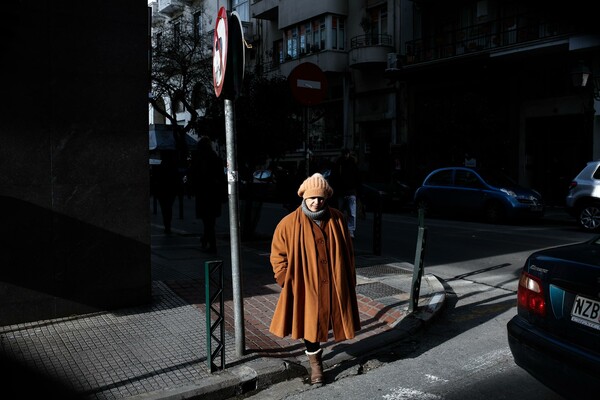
[228,73]
[234,231]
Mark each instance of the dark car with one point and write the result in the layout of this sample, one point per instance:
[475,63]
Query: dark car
[555,335]
[477,192]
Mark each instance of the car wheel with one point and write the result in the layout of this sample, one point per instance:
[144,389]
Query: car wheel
[589,217]
[494,213]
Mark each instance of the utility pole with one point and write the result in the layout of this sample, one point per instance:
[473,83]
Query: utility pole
[228,56]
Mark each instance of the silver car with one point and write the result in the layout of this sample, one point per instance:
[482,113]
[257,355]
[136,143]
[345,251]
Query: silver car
[583,199]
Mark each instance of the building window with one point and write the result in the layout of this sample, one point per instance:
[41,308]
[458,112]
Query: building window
[337,33]
[303,42]
[176,33]
[291,43]
[311,36]
[323,29]
[316,40]
[242,7]
[378,23]
[197,25]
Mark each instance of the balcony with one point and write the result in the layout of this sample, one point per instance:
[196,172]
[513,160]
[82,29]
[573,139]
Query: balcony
[170,7]
[327,60]
[369,49]
[491,36]
[264,9]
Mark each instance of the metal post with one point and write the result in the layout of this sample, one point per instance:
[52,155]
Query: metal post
[213,289]
[234,230]
[377,224]
[418,267]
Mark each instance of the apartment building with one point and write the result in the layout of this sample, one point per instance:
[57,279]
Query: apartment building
[512,83]
[427,83]
[418,84]
[351,41]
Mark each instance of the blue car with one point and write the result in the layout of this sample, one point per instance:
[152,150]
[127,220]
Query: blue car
[555,335]
[479,193]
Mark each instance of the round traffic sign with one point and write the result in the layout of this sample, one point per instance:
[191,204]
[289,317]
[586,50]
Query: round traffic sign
[308,84]
[220,51]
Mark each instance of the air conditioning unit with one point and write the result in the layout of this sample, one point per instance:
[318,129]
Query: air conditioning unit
[393,61]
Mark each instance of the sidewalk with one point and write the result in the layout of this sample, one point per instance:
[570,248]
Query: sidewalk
[158,351]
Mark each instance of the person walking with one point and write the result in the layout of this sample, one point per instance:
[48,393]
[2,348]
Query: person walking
[209,183]
[345,179]
[312,257]
[167,185]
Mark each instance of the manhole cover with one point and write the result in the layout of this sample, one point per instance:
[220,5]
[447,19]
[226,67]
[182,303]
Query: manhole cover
[374,271]
[376,290]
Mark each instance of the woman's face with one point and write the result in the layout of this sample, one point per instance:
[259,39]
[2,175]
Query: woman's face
[315,203]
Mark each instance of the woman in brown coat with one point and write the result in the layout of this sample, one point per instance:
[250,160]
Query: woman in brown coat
[312,256]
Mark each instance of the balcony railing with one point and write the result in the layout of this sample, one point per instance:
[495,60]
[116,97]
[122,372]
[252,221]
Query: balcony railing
[484,37]
[370,40]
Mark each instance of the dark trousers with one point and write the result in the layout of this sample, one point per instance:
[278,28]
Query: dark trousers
[166,209]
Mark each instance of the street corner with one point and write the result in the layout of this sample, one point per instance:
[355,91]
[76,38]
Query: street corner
[432,299]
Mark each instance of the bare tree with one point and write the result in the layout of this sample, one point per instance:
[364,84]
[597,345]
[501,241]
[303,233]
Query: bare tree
[182,81]
[181,75]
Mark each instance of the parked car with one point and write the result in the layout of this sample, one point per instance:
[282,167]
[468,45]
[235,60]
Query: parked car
[583,198]
[273,185]
[475,191]
[555,335]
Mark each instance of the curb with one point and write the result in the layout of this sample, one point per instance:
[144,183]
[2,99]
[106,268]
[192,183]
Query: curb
[260,374]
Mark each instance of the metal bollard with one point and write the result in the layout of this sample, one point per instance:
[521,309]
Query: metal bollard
[418,267]
[214,283]
[377,224]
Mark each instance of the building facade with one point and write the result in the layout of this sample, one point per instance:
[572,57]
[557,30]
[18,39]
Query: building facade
[417,84]
[513,84]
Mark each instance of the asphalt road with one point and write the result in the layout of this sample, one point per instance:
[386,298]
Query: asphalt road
[464,353]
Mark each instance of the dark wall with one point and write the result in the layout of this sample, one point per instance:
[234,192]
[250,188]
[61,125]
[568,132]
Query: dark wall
[73,158]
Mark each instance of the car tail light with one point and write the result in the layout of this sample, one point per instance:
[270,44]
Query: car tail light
[572,185]
[530,296]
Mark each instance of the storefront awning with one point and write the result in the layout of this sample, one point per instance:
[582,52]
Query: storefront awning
[161,138]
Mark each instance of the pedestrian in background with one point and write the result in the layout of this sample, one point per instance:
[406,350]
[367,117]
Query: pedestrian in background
[167,185]
[209,183]
[312,257]
[345,179]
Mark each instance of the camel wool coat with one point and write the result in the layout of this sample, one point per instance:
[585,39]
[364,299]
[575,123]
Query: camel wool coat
[315,267]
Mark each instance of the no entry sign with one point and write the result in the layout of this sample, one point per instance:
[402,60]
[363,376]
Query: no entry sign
[220,51]
[228,54]
[308,84]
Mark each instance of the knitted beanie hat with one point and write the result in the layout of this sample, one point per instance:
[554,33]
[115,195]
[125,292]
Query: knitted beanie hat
[315,186]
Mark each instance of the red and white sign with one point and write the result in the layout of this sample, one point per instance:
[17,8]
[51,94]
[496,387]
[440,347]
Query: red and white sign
[308,84]
[220,51]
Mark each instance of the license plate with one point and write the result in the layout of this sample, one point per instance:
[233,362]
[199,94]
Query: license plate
[586,312]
